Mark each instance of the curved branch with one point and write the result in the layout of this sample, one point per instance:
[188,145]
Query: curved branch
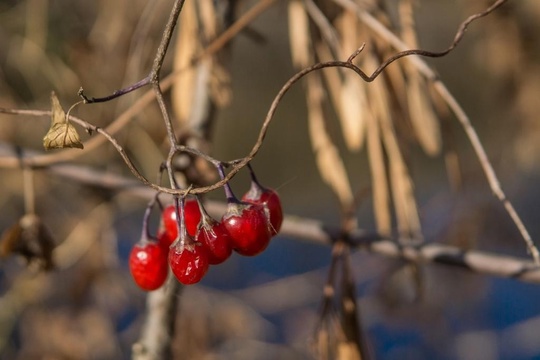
[315,231]
[241,163]
[114,95]
[452,103]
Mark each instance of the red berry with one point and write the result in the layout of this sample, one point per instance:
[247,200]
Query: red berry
[215,238]
[148,265]
[188,261]
[268,198]
[192,218]
[164,239]
[248,227]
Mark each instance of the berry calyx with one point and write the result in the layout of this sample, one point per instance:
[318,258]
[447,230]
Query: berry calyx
[192,216]
[248,227]
[188,261]
[269,198]
[214,237]
[247,224]
[148,264]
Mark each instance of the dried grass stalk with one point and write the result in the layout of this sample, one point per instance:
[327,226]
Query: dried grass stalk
[353,112]
[401,184]
[422,116]
[187,46]
[328,160]
[207,83]
[349,98]
[353,108]
[299,37]
[423,119]
[348,350]
[379,178]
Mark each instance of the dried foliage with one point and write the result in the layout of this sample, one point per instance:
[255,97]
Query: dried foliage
[370,100]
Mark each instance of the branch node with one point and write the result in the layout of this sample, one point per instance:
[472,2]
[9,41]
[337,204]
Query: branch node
[356,53]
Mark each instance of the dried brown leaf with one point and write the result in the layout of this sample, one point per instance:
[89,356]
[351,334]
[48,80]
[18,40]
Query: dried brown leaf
[61,134]
[203,83]
[348,27]
[299,37]
[347,350]
[187,46]
[353,112]
[406,18]
[423,118]
[379,177]
[400,181]
[220,79]
[208,18]
[30,238]
[329,162]
[401,184]
[348,95]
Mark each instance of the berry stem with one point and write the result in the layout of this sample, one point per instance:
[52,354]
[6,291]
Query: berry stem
[204,213]
[159,178]
[254,177]
[179,203]
[227,187]
[145,228]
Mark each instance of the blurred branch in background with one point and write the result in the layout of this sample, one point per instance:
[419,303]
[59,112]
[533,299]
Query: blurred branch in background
[317,232]
[399,116]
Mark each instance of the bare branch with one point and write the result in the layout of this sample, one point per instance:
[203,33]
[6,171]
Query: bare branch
[443,91]
[117,93]
[460,114]
[158,329]
[314,231]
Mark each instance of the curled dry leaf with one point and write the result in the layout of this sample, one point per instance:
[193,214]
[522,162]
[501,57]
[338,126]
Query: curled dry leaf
[30,238]
[61,134]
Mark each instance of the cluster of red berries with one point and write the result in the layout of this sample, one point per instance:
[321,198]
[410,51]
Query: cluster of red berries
[190,245]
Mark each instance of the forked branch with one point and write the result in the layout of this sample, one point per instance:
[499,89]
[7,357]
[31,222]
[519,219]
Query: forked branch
[237,165]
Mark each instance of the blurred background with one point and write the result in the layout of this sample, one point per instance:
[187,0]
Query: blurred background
[266,307]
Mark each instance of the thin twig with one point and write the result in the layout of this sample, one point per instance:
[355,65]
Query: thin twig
[158,329]
[471,133]
[117,93]
[315,231]
[452,103]
[43,160]
[241,163]
[162,305]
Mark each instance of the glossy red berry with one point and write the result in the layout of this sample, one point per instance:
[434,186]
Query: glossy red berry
[188,261]
[165,239]
[148,265]
[248,226]
[215,238]
[269,198]
[192,218]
